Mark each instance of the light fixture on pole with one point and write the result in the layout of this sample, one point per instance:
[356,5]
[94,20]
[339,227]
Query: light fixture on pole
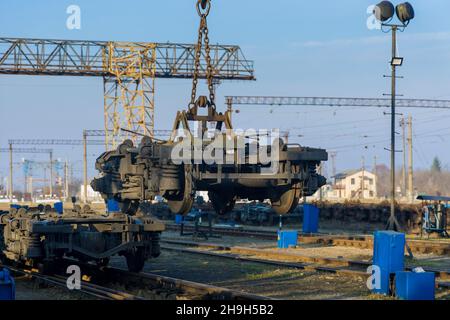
[384,12]
[396,61]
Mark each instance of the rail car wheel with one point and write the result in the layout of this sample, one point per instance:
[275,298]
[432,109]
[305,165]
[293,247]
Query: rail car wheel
[287,200]
[222,204]
[182,202]
[135,259]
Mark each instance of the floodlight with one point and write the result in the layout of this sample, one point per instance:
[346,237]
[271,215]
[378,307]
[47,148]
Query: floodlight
[396,61]
[405,12]
[384,11]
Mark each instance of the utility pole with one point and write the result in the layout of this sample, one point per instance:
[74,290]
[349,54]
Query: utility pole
[66,181]
[286,137]
[85,165]
[320,189]
[51,175]
[362,178]
[10,173]
[393,222]
[333,163]
[374,165]
[404,174]
[410,161]
[375,174]
[384,11]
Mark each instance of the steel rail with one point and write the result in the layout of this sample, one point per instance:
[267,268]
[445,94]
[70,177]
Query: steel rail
[338,266]
[94,290]
[359,241]
[205,291]
[157,282]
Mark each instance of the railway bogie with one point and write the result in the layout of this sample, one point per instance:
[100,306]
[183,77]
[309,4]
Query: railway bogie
[37,238]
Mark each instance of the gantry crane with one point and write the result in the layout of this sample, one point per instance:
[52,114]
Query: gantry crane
[12,150]
[128,70]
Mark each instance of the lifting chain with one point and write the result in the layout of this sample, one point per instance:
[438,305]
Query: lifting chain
[203,8]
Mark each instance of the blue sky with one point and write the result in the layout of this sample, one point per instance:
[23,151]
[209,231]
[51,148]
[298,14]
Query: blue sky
[300,48]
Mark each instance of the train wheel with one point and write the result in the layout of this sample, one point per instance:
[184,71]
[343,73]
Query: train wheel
[135,259]
[222,204]
[286,202]
[288,199]
[183,202]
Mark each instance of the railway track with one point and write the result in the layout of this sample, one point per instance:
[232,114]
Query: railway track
[272,257]
[90,289]
[357,241]
[103,280]
[183,289]
[159,287]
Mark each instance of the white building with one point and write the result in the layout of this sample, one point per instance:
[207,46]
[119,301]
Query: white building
[92,196]
[353,185]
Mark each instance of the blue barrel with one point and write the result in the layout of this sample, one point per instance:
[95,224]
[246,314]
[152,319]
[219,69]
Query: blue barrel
[415,285]
[310,219]
[179,219]
[388,255]
[59,207]
[287,238]
[7,286]
[112,206]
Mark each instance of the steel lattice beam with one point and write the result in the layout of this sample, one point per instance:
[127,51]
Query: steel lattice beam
[336,102]
[102,133]
[61,142]
[25,150]
[91,58]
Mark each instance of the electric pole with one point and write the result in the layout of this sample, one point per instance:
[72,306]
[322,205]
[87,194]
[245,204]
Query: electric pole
[375,174]
[362,178]
[10,173]
[374,165]
[66,181]
[392,222]
[85,177]
[410,161]
[51,175]
[320,189]
[404,174]
[384,11]
[333,163]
